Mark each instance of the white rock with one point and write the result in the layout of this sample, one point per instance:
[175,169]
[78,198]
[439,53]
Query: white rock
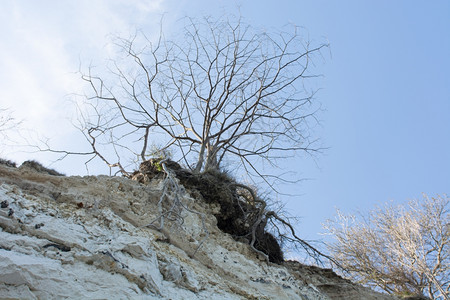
[86,238]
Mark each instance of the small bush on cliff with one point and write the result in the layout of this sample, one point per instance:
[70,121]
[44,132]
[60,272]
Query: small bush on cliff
[8,163]
[32,164]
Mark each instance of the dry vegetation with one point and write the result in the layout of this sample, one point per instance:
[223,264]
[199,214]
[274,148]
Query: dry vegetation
[399,249]
[241,212]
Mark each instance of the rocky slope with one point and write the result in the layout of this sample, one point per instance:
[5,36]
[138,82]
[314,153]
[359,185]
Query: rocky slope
[86,237]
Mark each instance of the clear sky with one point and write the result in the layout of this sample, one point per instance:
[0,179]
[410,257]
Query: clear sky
[385,86]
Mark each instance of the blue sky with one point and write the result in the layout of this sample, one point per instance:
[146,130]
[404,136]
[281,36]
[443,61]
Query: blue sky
[385,87]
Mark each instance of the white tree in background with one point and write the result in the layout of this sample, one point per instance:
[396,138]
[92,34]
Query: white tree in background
[400,249]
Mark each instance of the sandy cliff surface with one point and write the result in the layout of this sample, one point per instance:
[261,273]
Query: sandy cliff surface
[86,237]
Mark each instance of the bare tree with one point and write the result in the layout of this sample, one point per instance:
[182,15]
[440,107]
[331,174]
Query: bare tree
[400,249]
[221,91]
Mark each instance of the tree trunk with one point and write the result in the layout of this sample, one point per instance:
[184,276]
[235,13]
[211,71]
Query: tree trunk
[201,158]
[211,159]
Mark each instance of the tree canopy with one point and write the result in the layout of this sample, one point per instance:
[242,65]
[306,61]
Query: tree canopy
[220,91]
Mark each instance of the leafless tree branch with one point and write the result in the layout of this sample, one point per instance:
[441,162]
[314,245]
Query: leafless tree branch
[222,90]
[400,249]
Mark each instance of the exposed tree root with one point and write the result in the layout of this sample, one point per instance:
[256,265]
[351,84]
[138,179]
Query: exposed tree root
[170,204]
[242,213]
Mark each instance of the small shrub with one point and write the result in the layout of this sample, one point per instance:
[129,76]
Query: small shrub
[32,164]
[8,163]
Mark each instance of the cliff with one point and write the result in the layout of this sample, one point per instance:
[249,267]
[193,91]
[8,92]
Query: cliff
[88,237]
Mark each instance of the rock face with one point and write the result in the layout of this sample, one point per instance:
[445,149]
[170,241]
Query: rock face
[87,237]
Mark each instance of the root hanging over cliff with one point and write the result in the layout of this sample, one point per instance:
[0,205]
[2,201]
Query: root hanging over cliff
[242,213]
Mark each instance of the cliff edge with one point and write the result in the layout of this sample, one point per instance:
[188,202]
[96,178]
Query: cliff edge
[89,237]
